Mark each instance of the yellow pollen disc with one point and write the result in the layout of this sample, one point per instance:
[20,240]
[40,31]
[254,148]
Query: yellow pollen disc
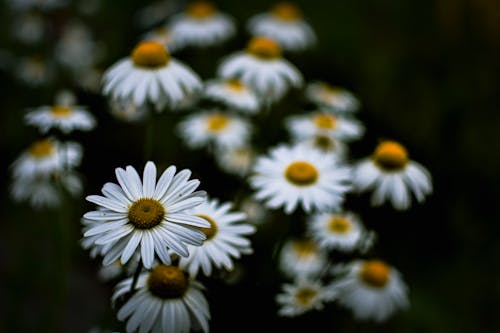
[339,224]
[235,85]
[286,11]
[264,48]
[42,148]
[304,248]
[325,121]
[375,273]
[217,122]
[201,9]
[60,111]
[210,231]
[305,295]
[167,282]
[301,173]
[150,55]
[146,213]
[390,156]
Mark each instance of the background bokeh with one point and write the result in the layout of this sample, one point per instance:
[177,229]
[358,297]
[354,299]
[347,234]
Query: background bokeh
[427,74]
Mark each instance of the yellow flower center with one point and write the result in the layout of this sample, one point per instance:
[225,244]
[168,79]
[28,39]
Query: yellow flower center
[339,224]
[390,156]
[235,85]
[60,111]
[150,55]
[264,48]
[325,121]
[301,173]
[146,213]
[210,231]
[167,282]
[217,122]
[286,11]
[375,273]
[42,148]
[305,295]
[201,9]
[304,248]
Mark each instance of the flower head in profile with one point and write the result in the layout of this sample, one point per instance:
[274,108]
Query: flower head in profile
[233,93]
[201,25]
[151,75]
[147,215]
[303,295]
[226,239]
[301,257]
[166,299]
[335,98]
[63,117]
[262,67]
[371,289]
[290,176]
[284,23]
[392,176]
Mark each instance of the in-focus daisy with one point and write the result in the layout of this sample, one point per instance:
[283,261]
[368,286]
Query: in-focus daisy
[324,144]
[238,161]
[226,239]
[223,130]
[285,24]
[262,67]
[372,289]
[290,176]
[147,215]
[233,93]
[151,75]
[63,117]
[201,25]
[47,156]
[339,231]
[301,257]
[320,123]
[166,300]
[301,296]
[392,176]
[332,97]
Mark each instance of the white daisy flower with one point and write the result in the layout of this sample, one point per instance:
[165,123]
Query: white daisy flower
[371,289]
[45,157]
[320,123]
[255,212]
[166,300]
[201,25]
[126,110]
[148,215]
[285,24]
[290,176]
[226,239]
[233,93]
[332,97]
[301,296]
[151,75]
[224,130]
[262,68]
[337,231]
[164,36]
[301,257]
[392,176]
[238,161]
[324,144]
[111,272]
[63,117]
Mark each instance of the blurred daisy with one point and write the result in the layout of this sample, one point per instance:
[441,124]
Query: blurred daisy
[164,36]
[301,257]
[255,212]
[148,215]
[233,93]
[238,161]
[151,75]
[90,80]
[290,176]
[63,117]
[371,289]
[226,239]
[201,25]
[125,109]
[37,4]
[34,70]
[324,144]
[301,296]
[213,127]
[392,176]
[29,27]
[111,272]
[262,68]
[47,156]
[285,24]
[166,300]
[335,98]
[339,231]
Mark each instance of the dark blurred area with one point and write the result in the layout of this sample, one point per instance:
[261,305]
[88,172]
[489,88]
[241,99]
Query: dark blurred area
[427,74]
